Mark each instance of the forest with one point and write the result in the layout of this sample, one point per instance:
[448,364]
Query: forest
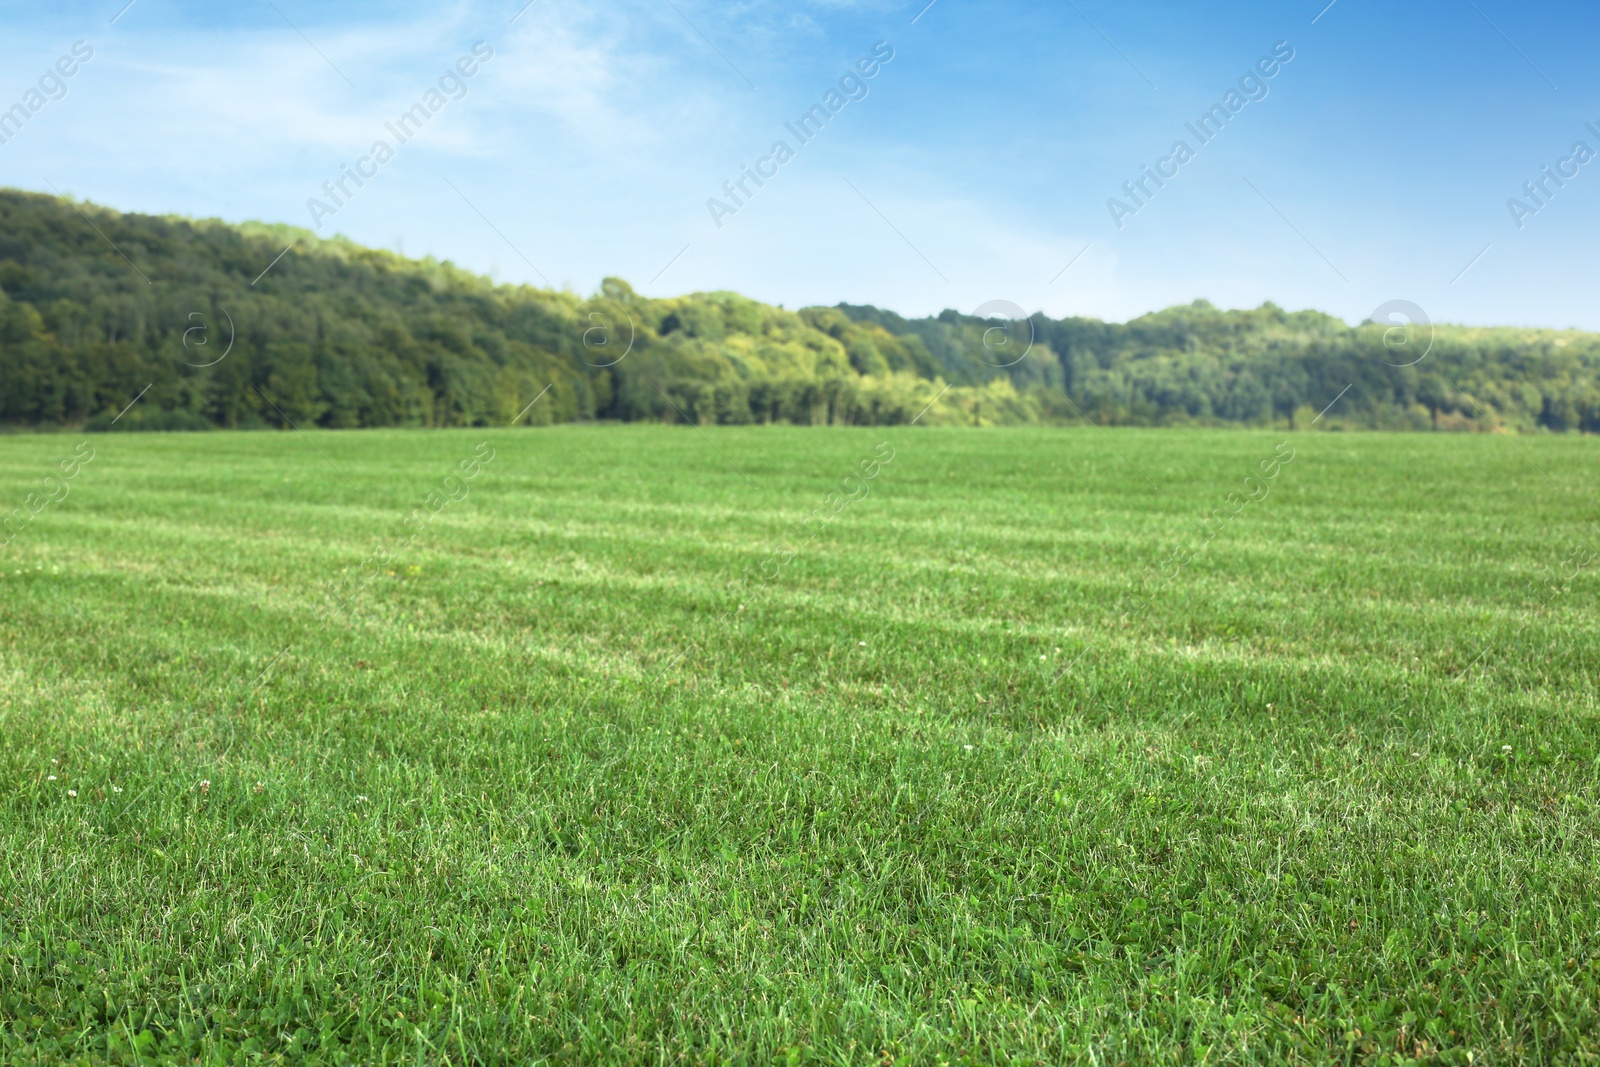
[259,325]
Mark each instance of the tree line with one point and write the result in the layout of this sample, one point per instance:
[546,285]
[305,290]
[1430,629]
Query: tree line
[260,326]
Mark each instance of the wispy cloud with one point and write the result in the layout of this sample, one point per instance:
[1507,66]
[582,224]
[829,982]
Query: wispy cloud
[598,132]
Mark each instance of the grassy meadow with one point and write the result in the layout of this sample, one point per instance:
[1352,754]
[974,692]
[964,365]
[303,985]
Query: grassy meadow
[659,745]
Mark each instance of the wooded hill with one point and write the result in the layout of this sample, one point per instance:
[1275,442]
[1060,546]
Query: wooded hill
[95,305]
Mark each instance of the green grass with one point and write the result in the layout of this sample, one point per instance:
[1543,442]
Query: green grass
[949,787]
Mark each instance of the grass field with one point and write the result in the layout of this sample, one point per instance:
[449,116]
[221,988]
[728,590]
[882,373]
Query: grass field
[1047,746]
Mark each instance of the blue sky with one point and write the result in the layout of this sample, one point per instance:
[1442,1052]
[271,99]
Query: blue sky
[978,165]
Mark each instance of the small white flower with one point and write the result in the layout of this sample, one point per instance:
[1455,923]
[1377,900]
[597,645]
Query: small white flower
[50,778]
[1505,748]
[967,747]
[55,761]
[863,644]
[360,799]
[116,789]
[72,792]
